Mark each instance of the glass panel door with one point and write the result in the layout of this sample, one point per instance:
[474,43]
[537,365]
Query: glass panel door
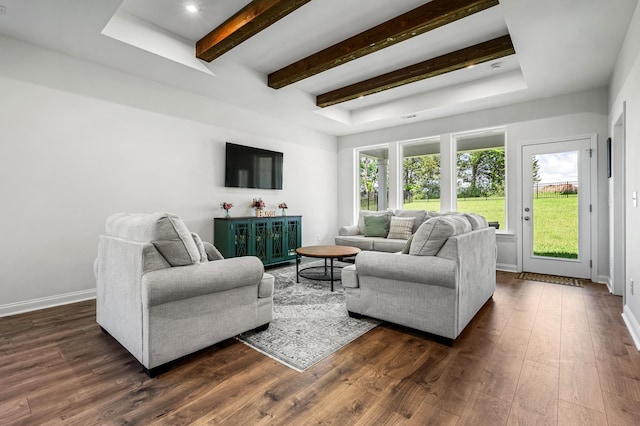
[556,221]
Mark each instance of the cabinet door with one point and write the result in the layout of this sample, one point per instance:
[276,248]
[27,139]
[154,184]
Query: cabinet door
[277,250]
[241,233]
[293,236]
[260,245]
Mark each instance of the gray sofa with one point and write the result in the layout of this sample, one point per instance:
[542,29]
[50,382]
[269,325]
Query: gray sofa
[437,285]
[354,235]
[163,293]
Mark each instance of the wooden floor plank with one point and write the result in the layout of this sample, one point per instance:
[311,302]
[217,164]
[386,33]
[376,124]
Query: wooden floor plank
[536,353]
[536,399]
[579,384]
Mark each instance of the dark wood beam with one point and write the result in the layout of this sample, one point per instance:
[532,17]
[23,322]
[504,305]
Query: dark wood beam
[253,18]
[420,20]
[483,52]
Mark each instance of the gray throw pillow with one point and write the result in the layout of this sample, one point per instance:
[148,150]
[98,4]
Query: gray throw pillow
[407,246]
[432,235]
[376,226]
[200,245]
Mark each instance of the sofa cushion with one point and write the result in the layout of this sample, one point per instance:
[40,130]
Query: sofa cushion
[476,221]
[418,215]
[354,241]
[432,235]
[165,230]
[388,245]
[401,227]
[376,226]
[365,213]
[462,222]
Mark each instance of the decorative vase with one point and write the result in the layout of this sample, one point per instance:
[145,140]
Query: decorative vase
[227,214]
[284,212]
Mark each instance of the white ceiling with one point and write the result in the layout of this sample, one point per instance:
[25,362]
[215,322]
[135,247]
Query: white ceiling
[562,46]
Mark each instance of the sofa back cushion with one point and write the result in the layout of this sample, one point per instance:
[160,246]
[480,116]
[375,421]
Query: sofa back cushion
[476,221]
[166,231]
[433,233]
[376,226]
[365,213]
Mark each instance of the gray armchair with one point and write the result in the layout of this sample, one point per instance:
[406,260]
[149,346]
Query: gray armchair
[163,293]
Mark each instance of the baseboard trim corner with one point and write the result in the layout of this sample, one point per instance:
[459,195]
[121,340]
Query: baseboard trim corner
[505,267]
[46,302]
[632,325]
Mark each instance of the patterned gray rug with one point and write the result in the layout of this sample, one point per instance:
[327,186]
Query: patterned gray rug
[309,321]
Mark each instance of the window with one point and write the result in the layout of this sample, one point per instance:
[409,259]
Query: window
[421,175]
[373,179]
[481,175]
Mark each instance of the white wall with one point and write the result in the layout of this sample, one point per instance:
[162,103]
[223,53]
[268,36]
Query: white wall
[577,114]
[79,142]
[625,89]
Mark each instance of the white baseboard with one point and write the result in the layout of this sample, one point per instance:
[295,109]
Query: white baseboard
[605,279]
[506,267]
[632,325]
[46,302]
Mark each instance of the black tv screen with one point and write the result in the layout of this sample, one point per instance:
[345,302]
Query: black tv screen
[248,167]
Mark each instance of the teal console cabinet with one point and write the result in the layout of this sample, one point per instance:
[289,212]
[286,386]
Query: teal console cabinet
[272,239]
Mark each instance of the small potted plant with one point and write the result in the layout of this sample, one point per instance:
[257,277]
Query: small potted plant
[257,204]
[283,206]
[226,206]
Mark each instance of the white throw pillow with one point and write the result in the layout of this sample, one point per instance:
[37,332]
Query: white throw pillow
[401,228]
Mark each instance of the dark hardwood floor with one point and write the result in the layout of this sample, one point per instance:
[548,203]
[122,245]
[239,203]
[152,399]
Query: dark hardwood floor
[536,354]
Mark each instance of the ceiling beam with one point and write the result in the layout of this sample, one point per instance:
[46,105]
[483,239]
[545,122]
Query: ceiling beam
[249,21]
[418,21]
[479,53]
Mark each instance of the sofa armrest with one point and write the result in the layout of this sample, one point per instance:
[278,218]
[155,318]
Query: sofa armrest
[349,230]
[429,270]
[183,282]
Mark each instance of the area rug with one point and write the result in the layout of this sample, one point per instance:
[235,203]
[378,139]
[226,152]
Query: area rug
[309,321]
[553,279]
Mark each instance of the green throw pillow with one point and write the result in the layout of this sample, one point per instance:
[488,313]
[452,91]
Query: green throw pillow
[376,226]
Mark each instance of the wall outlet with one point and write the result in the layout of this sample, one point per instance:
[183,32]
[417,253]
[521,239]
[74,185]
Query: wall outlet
[317,238]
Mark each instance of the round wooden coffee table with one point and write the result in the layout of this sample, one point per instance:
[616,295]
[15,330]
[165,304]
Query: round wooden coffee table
[323,252]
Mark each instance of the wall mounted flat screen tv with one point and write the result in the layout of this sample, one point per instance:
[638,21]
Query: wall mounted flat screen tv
[248,167]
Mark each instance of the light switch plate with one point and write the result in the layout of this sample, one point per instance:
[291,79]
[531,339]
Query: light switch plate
[3,9]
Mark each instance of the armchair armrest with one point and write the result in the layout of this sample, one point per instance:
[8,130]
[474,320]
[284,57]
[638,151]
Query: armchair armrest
[349,230]
[429,270]
[183,282]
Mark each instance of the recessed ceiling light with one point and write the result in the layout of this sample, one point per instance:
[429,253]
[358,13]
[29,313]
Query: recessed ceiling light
[192,8]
